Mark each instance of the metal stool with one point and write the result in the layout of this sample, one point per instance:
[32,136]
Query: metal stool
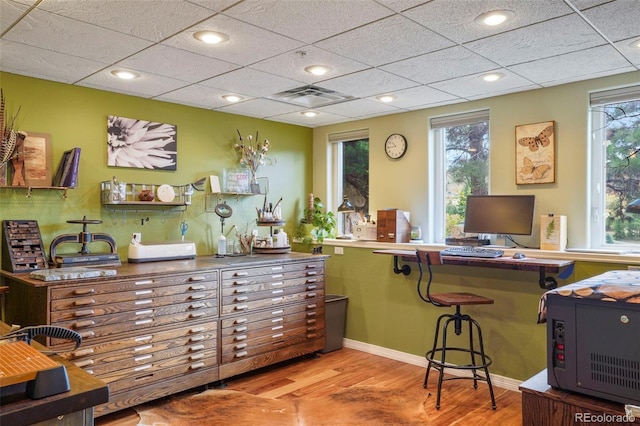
[479,360]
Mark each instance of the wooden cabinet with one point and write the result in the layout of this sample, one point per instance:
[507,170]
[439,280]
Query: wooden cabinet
[155,329]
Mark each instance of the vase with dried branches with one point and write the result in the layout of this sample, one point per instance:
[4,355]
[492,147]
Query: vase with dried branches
[252,156]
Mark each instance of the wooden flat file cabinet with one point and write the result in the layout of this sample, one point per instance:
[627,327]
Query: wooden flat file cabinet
[157,329]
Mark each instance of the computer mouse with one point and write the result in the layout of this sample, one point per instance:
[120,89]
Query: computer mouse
[519,255]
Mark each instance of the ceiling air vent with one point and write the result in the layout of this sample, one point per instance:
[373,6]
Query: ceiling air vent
[310,96]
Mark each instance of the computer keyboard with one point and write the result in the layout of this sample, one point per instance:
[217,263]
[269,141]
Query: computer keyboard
[471,251]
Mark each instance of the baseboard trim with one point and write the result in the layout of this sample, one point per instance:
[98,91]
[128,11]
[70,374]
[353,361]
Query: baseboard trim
[499,381]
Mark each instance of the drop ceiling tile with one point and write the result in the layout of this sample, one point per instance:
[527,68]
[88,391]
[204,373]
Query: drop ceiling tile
[322,119]
[543,40]
[387,40]
[196,95]
[455,19]
[10,11]
[247,44]
[472,86]
[152,20]
[586,4]
[260,108]
[251,82]
[617,20]
[630,52]
[402,5]
[176,63]
[573,66]
[31,61]
[421,95]
[215,5]
[445,64]
[146,86]
[367,83]
[359,108]
[59,34]
[308,21]
[291,64]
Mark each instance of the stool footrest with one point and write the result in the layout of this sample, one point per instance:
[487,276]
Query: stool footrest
[430,357]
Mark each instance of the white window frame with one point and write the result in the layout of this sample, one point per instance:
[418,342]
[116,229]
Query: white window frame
[437,178]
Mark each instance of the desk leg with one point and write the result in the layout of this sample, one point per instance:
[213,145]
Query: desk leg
[406,269]
[547,283]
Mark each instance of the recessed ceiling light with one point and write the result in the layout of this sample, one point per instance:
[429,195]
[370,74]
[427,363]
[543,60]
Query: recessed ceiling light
[309,113]
[232,98]
[635,44]
[318,69]
[386,98]
[495,17]
[211,37]
[494,76]
[124,74]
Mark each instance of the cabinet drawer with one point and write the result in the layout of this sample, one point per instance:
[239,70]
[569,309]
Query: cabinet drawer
[137,298]
[116,286]
[310,310]
[238,305]
[274,322]
[236,352]
[269,294]
[248,286]
[255,335]
[300,269]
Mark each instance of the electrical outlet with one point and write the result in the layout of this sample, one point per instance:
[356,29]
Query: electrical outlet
[137,236]
[338,250]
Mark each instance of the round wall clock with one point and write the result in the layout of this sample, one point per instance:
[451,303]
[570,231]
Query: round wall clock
[395,146]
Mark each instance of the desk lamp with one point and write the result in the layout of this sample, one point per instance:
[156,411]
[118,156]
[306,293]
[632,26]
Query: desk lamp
[346,207]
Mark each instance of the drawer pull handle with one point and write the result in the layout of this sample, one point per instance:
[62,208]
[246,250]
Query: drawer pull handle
[240,321]
[243,282]
[311,287]
[83,291]
[311,321]
[312,336]
[144,302]
[197,306]
[84,302]
[240,354]
[197,296]
[143,338]
[311,314]
[241,299]
[83,352]
[276,336]
[84,313]
[143,358]
[240,329]
[240,346]
[143,282]
[277,327]
[196,330]
[145,312]
[311,273]
[87,334]
[277,268]
[148,376]
[240,290]
[197,314]
[196,366]
[278,312]
[143,322]
[240,338]
[314,328]
[276,284]
[277,276]
[312,280]
[82,324]
[142,348]
[197,338]
[195,348]
[240,307]
[310,295]
[197,287]
[84,363]
[311,266]
[278,291]
[198,278]
[143,292]
[277,299]
[241,274]
[312,306]
[196,356]
[277,319]
[143,367]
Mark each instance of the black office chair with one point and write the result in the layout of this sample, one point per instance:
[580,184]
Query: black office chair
[428,259]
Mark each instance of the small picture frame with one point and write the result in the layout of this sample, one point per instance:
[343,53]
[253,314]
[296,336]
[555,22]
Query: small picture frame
[535,153]
[37,159]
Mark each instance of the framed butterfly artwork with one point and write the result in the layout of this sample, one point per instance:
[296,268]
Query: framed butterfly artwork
[535,153]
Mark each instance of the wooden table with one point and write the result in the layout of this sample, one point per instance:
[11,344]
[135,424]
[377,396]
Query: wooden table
[543,266]
[76,405]
[542,405]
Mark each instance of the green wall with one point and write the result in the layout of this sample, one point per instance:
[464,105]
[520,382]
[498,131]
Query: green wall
[77,116]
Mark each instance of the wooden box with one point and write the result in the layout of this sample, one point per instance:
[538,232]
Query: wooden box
[393,226]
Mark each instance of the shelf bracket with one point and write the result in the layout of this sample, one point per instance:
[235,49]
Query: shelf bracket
[405,269]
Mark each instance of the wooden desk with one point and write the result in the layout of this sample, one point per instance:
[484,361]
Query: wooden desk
[74,407]
[543,266]
[542,405]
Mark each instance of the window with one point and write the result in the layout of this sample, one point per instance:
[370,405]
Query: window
[350,176]
[615,168]
[461,168]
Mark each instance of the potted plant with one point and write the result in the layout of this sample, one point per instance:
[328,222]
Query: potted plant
[316,225]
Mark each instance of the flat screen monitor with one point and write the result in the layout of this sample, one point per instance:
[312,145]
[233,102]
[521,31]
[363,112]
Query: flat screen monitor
[499,214]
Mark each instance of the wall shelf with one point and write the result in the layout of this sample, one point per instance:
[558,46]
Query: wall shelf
[29,189]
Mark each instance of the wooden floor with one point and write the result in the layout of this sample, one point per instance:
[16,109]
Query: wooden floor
[311,377]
